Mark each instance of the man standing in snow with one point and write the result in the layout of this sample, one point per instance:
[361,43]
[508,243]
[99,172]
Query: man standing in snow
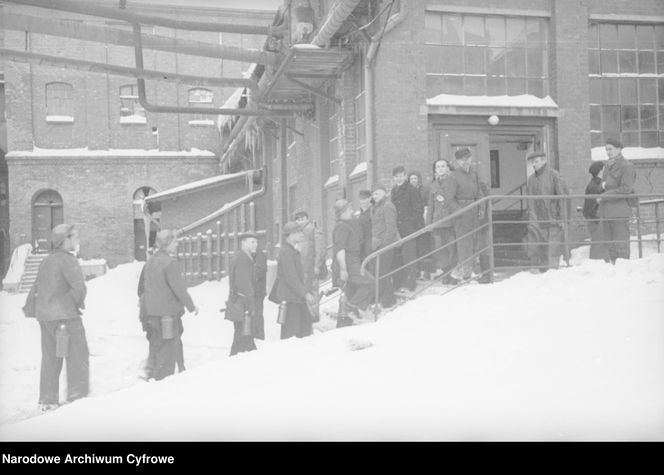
[617,180]
[383,232]
[364,219]
[56,300]
[242,294]
[346,265]
[410,217]
[291,288]
[312,252]
[260,291]
[545,226]
[598,250]
[469,188]
[165,298]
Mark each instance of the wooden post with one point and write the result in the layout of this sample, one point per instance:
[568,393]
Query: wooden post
[227,243]
[218,242]
[283,178]
[199,251]
[490,244]
[209,254]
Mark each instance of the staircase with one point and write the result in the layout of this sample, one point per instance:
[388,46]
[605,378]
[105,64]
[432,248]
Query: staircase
[29,276]
[512,234]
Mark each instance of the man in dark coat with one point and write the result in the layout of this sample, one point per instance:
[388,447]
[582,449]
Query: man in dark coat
[290,286]
[357,289]
[546,215]
[598,250]
[364,220]
[469,188]
[383,232]
[242,293]
[441,205]
[426,265]
[312,253]
[56,300]
[165,297]
[618,180]
[410,217]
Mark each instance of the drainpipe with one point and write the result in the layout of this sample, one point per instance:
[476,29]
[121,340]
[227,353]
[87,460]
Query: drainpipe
[369,93]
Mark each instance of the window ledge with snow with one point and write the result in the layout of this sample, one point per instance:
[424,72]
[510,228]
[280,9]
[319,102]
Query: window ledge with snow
[359,170]
[630,153]
[332,181]
[133,119]
[59,119]
[201,122]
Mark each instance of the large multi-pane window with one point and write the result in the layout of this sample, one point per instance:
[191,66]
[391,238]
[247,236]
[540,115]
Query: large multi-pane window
[626,67]
[486,55]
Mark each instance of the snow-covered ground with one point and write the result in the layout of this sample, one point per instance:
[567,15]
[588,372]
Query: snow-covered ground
[573,354]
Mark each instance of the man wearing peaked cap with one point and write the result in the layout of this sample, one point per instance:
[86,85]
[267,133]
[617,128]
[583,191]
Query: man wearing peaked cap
[462,153]
[56,300]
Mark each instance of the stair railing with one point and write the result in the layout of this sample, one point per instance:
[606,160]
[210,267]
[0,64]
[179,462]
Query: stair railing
[483,236]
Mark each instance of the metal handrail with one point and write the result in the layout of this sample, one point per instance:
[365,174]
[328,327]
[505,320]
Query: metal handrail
[656,199]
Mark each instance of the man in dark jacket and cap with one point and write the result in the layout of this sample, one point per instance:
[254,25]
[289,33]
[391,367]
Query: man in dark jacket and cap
[57,299]
[291,288]
[165,298]
[546,215]
[410,217]
[364,220]
[618,180]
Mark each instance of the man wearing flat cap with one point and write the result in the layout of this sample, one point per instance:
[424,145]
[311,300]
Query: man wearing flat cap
[290,287]
[364,219]
[617,180]
[546,215]
[242,293]
[56,300]
[469,188]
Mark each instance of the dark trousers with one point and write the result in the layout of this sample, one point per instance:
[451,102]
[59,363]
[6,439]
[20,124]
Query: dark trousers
[298,321]
[408,273]
[164,354]
[616,230]
[598,250]
[446,257]
[359,294]
[78,362]
[545,245]
[241,342]
[258,320]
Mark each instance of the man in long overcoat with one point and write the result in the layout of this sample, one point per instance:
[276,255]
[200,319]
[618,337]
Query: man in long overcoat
[617,180]
[407,201]
[364,220]
[291,288]
[57,299]
[260,291]
[545,215]
[312,253]
[242,293]
[469,188]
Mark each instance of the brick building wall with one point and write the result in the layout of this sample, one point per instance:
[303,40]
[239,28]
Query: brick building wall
[97,191]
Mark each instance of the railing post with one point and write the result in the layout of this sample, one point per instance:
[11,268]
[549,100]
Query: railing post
[218,242]
[187,263]
[209,254]
[566,250]
[227,242]
[657,229]
[199,251]
[638,227]
[490,244]
[243,218]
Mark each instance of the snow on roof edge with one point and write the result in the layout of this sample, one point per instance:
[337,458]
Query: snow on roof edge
[523,100]
[188,187]
[630,153]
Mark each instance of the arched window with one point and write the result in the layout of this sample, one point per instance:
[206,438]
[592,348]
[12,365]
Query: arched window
[47,212]
[131,111]
[59,102]
[199,97]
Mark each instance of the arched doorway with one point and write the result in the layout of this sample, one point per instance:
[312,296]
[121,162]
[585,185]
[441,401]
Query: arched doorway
[140,241]
[47,212]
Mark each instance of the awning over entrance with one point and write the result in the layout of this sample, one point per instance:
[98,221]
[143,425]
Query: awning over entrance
[304,70]
[523,105]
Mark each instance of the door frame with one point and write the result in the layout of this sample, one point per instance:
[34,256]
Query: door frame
[51,206]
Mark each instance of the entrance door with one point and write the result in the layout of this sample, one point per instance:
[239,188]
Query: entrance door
[47,212]
[477,142]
